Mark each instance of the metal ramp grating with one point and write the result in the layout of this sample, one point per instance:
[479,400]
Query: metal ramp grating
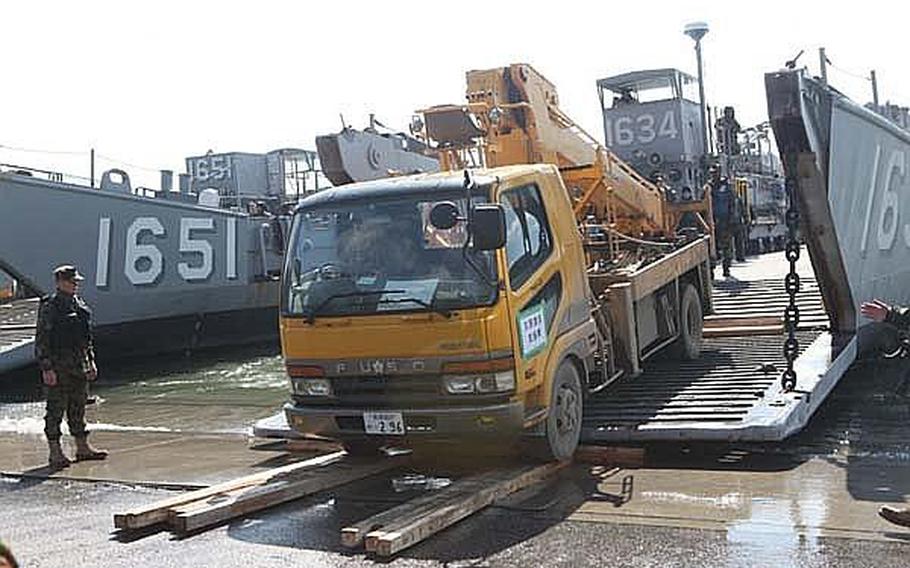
[767,298]
[733,376]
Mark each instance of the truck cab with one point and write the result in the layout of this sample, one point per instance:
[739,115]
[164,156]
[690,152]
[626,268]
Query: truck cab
[396,327]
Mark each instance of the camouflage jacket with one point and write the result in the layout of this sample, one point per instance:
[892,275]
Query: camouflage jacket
[899,316]
[63,339]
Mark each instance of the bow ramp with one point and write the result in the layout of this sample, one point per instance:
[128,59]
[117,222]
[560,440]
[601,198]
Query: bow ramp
[846,171]
[734,390]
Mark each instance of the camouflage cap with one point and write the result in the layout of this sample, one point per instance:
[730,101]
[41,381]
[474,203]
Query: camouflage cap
[67,272]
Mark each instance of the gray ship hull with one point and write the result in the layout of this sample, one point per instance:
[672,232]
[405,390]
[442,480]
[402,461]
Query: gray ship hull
[161,274]
[849,168]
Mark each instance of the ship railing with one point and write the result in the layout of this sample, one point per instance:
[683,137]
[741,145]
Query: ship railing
[49,175]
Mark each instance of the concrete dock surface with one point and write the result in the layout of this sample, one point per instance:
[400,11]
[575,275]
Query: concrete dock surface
[173,424]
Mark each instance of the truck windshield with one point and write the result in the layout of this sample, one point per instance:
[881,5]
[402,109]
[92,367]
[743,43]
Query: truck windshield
[365,257]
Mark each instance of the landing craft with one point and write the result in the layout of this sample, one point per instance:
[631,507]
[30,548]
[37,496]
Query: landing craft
[847,165]
[165,269]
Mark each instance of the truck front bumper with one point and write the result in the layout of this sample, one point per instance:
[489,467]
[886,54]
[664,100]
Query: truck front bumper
[441,422]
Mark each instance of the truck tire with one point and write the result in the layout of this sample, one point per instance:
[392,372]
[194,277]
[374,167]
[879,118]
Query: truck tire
[691,325]
[562,427]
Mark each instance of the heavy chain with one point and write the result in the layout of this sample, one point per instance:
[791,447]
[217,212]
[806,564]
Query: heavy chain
[791,285]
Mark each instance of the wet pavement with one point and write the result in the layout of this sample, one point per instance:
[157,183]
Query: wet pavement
[176,423]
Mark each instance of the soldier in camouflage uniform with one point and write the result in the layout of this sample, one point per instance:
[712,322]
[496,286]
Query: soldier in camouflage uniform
[63,346]
[722,209]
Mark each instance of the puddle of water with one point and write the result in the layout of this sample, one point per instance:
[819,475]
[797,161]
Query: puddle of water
[726,501]
[419,482]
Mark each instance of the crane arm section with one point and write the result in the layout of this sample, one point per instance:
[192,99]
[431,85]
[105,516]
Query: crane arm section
[515,117]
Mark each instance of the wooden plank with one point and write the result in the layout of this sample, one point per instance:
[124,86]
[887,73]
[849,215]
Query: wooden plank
[220,508]
[409,532]
[355,534]
[307,445]
[611,455]
[157,512]
[742,321]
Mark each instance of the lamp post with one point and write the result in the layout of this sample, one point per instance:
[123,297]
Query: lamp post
[696,31]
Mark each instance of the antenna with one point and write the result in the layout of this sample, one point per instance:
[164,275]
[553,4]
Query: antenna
[792,63]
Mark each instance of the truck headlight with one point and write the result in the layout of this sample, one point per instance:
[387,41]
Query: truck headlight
[311,387]
[487,383]
[460,384]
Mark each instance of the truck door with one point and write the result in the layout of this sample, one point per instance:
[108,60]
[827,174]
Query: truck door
[534,282]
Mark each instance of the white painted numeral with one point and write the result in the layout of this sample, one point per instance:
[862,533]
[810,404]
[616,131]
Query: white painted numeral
[200,247]
[646,133]
[871,200]
[624,133]
[136,252]
[668,126]
[231,239]
[889,221]
[103,260]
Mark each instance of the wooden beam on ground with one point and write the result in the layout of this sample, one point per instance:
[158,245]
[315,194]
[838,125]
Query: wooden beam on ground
[158,512]
[408,531]
[611,455]
[753,320]
[354,535]
[217,509]
[311,445]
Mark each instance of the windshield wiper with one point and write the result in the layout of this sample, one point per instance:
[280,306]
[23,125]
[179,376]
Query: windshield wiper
[311,314]
[419,302]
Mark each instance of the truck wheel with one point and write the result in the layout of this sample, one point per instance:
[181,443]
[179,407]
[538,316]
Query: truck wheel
[691,325]
[562,428]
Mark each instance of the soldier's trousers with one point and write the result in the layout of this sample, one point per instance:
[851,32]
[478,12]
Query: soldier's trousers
[740,238]
[724,244]
[67,397]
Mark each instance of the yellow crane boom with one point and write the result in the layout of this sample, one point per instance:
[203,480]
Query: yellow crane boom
[512,116]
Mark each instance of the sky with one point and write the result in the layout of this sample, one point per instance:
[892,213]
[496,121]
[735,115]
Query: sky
[149,83]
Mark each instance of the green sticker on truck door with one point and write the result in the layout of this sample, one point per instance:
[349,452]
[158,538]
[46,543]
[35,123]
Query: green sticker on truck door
[532,331]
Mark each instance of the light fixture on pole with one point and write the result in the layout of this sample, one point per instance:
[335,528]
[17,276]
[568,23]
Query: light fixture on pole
[696,31]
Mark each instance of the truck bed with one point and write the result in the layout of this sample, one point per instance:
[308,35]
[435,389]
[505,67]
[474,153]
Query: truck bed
[732,392]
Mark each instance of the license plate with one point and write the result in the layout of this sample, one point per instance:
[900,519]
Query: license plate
[383,423]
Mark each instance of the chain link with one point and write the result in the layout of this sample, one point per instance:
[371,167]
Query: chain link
[791,286]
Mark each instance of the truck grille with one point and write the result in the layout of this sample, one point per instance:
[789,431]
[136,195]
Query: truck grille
[402,392]
[387,391]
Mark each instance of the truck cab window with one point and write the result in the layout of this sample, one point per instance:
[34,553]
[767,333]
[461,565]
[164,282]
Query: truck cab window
[528,241]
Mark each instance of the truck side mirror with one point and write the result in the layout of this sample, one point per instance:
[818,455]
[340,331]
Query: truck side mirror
[489,227]
[444,215]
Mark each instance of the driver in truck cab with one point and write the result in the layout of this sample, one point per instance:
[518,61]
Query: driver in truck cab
[418,306]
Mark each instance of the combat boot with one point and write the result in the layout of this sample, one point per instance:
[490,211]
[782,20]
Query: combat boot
[56,458]
[85,452]
[897,516]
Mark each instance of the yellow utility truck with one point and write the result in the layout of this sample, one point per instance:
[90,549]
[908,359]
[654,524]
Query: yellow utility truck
[490,299]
